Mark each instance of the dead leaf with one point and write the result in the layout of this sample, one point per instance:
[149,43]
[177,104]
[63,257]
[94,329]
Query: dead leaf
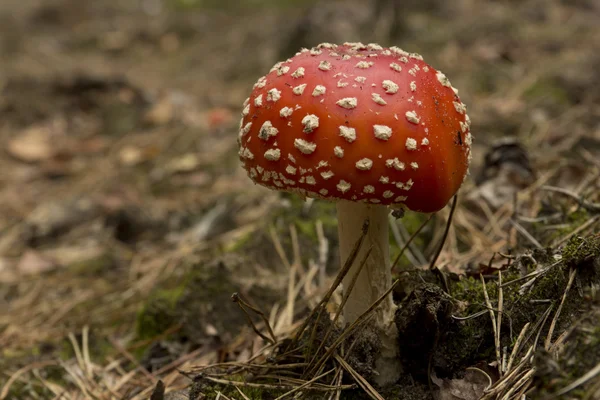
[34,144]
[161,112]
[186,163]
[132,155]
[470,387]
[218,117]
[33,263]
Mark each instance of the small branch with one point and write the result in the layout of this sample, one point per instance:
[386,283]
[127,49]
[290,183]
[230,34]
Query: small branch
[583,203]
[236,298]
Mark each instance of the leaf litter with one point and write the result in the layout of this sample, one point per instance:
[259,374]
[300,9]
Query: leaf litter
[120,178]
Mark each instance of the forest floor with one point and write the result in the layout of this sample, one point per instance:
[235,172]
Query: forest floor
[126,222]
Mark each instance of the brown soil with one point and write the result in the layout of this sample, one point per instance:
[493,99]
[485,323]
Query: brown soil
[126,222]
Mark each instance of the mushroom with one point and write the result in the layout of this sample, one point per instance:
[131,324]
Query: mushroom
[367,127]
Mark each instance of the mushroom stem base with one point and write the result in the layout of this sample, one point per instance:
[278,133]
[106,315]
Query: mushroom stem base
[374,279]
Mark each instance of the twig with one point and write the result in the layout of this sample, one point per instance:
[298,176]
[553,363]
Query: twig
[236,298]
[349,329]
[526,234]
[589,375]
[338,279]
[445,235]
[307,383]
[408,242]
[362,382]
[548,341]
[589,206]
[341,307]
[493,318]
[517,347]
[323,388]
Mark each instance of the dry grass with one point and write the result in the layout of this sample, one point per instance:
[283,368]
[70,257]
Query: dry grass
[146,193]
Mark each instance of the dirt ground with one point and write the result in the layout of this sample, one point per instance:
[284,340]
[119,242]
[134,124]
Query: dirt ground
[126,222]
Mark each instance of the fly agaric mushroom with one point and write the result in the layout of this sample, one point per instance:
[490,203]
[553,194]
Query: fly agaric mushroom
[368,127]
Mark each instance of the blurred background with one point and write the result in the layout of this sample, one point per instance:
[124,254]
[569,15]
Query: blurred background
[126,222]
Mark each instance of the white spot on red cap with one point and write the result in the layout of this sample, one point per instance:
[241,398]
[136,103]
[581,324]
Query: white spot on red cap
[394,162]
[348,102]
[246,110]
[425,142]
[342,84]
[369,189]
[267,130]
[273,154]
[310,122]
[413,86]
[396,67]
[443,79]
[323,192]
[378,99]
[286,112]
[398,51]
[411,144]
[326,174]
[414,165]
[343,186]
[246,153]
[411,116]
[299,73]
[319,90]
[282,70]
[388,194]
[384,179]
[360,79]
[261,83]
[382,132]
[459,107]
[390,86]
[324,65]
[246,128]
[364,64]
[364,164]
[310,180]
[338,151]
[304,146]
[400,199]
[290,169]
[298,90]
[327,45]
[258,100]
[273,95]
[348,133]
[315,52]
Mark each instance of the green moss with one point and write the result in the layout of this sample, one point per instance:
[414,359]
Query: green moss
[579,355]
[96,266]
[211,390]
[234,4]
[579,250]
[158,314]
[547,89]
[570,222]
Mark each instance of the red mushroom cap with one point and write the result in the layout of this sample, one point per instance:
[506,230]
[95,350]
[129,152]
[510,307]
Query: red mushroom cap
[357,122]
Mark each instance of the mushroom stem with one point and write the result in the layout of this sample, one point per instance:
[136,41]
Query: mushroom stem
[374,279]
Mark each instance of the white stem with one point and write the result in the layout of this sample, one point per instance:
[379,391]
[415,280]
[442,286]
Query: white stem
[374,279]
